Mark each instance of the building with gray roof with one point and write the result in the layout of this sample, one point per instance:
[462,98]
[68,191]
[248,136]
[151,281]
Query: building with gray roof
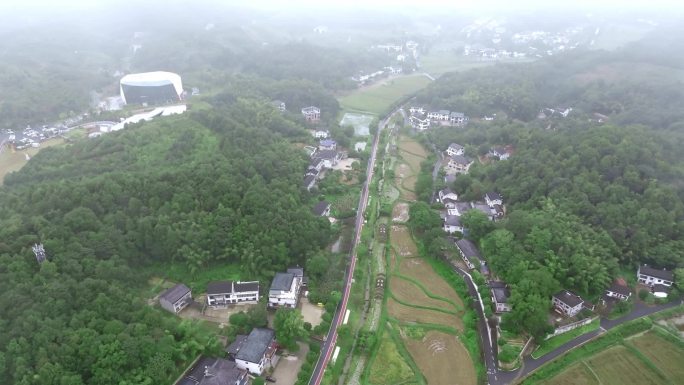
[257,352]
[176,298]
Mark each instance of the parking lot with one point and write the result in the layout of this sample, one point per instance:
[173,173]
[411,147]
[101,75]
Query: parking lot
[288,367]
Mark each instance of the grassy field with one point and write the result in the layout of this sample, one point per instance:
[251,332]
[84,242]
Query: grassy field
[179,272]
[377,98]
[389,367]
[437,353]
[406,173]
[442,62]
[11,160]
[645,359]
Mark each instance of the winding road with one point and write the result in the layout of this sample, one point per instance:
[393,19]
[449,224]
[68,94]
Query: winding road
[331,338]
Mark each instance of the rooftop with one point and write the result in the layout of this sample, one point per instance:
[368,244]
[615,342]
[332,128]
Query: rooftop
[237,344]
[175,293]
[219,287]
[662,274]
[569,298]
[282,281]
[493,196]
[452,220]
[620,289]
[500,291]
[468,248]
[460,159]
[455,146]
[297,271]
[256,344]
[320,208]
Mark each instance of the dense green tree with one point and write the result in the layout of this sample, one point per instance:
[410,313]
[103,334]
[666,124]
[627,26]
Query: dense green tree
[289,326]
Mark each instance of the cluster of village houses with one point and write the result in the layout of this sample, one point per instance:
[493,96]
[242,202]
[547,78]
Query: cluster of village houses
[249,354]
[565,302]
[421,118]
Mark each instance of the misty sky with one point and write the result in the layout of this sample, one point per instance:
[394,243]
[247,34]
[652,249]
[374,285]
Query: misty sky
[43,5]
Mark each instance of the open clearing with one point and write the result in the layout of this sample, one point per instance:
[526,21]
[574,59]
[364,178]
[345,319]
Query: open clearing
[402,241]
[414,315]
[577,374]
[389,366]
[421,271]
[618,366]
[11,160]
[442,359]
[360,122]
[400,212]
[406,291]
[663,354]
[412,147]
[413,161]
[378,97]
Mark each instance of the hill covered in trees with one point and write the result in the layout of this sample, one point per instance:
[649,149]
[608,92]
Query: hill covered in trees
[642,83]
[200,189]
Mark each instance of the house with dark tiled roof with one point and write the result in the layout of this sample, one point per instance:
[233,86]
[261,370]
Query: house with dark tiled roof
[176,298]
[220,294]
[500,294]
[214,371]
[458,164]
[650,276]
[257,352]
[567,303]
[452,224]
[311,114]
[284,291]
[309,182]
[469,252]
[493,198]
[618,291]
[454,149]
[447,193]
[322,209]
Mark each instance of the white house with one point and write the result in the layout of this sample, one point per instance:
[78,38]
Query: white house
[442,115]
[279,105]
[284,291]
[493,198]
[417,110]
[176,298]
[446,193]
[311,114]
[500,294]
[619,291]
[321,134]
[502,153]
[220,294]
[454,149]
[458,164]
[257,352]
[660,291]
[419,122]
[452,224]
[457,118]
[650,276]
[567,302]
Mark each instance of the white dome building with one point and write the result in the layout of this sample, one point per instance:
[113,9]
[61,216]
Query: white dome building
[151,88]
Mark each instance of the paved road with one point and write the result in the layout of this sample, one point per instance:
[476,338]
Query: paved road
[331,339]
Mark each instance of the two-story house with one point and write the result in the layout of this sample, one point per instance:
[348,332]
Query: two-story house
[455,149]
[447,193]
[321,134]
[329,158]
[220,294]
[458,164]
[257,352]
[457,118]
[500,152]
[650,276]
[441,115]
[452,224]
[417,110]
[493,198]
[500,294]
[419,121]
[176,298]
[284,291]
[311,114]
[279,105]
[309,182]
[567,302]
